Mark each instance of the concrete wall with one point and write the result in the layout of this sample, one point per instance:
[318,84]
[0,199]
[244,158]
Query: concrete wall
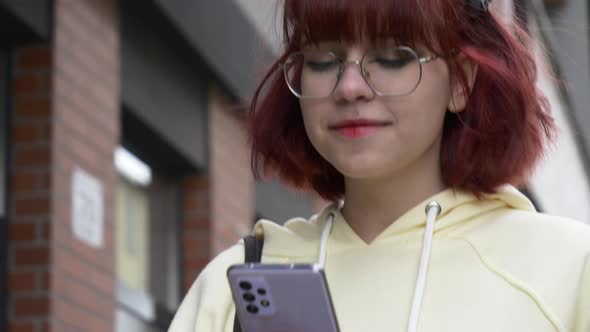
[569,39]
[265,16]
[163,88]
[561,183]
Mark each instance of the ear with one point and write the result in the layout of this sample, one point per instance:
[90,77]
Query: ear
[459,96]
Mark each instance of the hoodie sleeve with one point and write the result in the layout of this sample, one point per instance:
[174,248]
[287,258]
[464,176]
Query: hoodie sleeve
[208,305]
[583,306]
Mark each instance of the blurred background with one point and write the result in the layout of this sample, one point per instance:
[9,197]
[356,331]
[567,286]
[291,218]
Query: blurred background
[124,164]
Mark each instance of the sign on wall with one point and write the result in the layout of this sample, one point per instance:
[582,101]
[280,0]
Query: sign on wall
[87,208]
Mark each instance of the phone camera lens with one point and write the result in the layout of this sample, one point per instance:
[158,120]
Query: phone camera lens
[245,285]
[261,291]
[265,303]
[252,309]
[249,297]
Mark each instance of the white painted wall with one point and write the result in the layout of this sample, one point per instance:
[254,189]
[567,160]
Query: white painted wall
[561,183]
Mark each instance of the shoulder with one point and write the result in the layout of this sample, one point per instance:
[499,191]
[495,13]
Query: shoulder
[297,237]
[208,304]
[545,257]
[528,239]
[529,231]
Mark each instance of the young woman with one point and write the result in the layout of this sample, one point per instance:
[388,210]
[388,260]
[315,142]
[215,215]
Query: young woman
[416,118]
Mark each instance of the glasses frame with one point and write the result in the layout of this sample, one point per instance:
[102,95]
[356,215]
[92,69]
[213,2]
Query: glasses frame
[342,66]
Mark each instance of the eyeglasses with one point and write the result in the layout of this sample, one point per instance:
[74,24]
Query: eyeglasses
[395,71]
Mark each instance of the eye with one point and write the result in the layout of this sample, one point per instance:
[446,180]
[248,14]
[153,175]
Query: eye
[392,59]
[321,66]
[393,62]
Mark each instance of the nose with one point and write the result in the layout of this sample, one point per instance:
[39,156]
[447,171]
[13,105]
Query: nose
[352,84]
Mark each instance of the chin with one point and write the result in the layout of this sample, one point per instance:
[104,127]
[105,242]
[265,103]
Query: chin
[359,171]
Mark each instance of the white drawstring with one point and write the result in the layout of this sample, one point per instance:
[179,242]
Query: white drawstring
[321,264]
[433,209]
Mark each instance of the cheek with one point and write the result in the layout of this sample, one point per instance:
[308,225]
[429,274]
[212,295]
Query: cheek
[435,87]
[420,116]
[312,124]
[430,101]
[307,115]
[310,113]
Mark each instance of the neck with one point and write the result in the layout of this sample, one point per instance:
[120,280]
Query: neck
[371,205]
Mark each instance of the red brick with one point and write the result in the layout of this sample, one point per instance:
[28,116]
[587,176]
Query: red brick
[34,57]
[26,84]
[195,183]
[196,245]
[192,204]
[23,232]
[89,303]
[45,280]
[81,319]
[101,258]
[83,155]
[26,133]
[38,155]
[195,223]
[45,231]
[31,256]
[45,81]
[31,307]
[85,271]
[84,297]
[21,327]
[39,106]
[26,182]
[22,281]
[31,206]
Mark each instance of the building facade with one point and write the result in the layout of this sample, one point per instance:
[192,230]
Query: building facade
[124,165]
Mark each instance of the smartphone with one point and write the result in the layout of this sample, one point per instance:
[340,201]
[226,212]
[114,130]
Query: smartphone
[282,298]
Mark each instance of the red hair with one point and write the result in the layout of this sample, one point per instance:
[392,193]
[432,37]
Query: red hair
[496,140]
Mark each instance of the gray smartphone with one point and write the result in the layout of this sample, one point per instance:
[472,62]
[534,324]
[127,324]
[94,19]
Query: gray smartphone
[282,298]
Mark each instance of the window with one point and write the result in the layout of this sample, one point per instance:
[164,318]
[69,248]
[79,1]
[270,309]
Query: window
[147,243]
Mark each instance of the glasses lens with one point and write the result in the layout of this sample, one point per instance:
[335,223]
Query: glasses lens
[312,74]
[392,71]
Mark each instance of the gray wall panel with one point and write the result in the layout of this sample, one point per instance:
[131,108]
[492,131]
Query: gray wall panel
[571,51]
[164,90]
[277,203]
[223,36]
[35,15]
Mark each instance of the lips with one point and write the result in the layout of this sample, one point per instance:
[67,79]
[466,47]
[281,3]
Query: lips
[358,127]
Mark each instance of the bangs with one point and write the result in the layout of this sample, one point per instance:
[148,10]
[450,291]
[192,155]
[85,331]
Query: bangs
[405,22]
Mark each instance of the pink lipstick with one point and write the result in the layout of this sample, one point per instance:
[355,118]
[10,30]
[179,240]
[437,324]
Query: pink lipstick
[358,128]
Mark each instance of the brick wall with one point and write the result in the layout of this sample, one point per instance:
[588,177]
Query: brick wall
[232,185]
[86,111]
[218,206]
[30,208]
[196,226]
[66,115]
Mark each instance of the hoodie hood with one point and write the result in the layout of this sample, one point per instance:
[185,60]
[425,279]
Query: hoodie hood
[457,208]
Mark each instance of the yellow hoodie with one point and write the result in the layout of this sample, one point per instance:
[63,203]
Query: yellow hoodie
[495,265]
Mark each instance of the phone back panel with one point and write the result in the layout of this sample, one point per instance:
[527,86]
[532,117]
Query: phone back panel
[282,298]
